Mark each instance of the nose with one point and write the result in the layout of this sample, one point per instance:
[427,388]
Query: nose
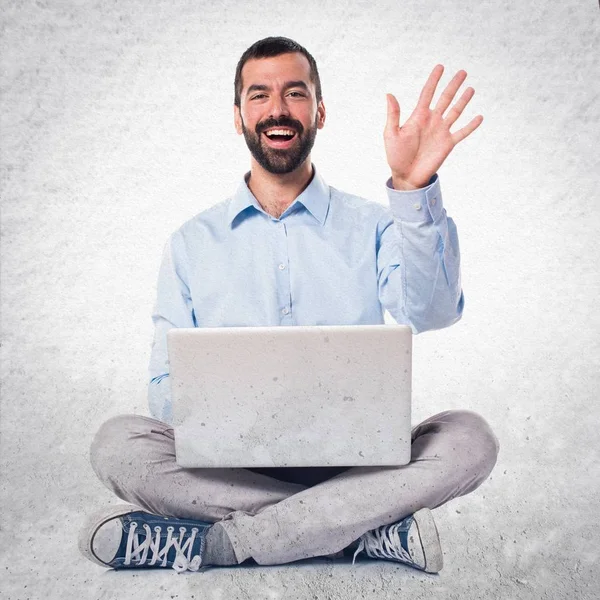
[278,107]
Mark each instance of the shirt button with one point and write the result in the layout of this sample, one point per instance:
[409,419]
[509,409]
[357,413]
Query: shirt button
[285,311]
[281,267]
[433,201]
[417,206]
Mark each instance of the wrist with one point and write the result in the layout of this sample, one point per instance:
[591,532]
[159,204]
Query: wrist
[402,185]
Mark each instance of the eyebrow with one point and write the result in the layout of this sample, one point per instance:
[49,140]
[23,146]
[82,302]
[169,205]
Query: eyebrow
[265,88]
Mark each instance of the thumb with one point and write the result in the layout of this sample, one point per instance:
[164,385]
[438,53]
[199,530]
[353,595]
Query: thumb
[393,113]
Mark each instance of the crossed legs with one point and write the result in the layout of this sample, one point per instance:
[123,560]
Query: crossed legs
[292,514]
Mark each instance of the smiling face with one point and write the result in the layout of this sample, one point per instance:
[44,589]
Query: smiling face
[277,95]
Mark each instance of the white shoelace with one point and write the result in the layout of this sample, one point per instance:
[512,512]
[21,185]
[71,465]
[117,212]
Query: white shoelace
[181,563]
[383,543]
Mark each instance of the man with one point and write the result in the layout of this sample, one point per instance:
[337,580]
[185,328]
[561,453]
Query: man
[319,256]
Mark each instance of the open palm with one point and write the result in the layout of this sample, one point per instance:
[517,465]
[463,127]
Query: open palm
[416,150]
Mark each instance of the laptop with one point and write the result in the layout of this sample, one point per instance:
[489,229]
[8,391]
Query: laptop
[291,396]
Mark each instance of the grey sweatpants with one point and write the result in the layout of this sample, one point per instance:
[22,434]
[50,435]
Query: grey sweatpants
[281,515]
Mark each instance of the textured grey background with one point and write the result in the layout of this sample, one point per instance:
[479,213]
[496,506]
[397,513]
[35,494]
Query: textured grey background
[117,125]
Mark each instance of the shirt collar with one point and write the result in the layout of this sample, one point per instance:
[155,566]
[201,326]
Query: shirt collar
[315,198]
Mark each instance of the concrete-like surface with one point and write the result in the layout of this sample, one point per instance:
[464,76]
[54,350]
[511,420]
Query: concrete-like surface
[117,126]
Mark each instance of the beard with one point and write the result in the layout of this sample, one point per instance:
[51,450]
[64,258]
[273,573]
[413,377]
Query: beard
[279,160]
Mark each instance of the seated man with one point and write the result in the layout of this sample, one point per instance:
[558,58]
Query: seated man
[287,249]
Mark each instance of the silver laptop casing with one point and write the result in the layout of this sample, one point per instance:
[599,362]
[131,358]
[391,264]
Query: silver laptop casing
[291,396]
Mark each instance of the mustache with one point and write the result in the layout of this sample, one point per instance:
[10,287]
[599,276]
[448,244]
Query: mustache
[282,124]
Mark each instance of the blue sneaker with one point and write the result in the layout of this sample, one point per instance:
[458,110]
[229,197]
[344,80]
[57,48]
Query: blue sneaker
[413,541]
[125,537]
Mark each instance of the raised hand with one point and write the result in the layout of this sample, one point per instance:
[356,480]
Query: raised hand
[416,150]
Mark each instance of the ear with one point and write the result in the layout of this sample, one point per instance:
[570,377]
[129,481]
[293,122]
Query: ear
[237,120]
[321,114]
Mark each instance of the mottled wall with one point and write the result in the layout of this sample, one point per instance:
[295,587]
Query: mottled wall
[117,125]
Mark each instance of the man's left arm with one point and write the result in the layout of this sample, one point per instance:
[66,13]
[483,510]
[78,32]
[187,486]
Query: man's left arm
[418,258]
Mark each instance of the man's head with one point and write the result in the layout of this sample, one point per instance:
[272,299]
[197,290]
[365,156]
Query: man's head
[277,86]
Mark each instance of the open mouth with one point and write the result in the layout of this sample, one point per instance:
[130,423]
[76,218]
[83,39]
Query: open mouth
[280,141]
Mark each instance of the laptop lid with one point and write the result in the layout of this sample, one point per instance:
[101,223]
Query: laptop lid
[291,396]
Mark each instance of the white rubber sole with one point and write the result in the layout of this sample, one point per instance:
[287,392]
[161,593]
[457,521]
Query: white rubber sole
[94,522]
[430,540]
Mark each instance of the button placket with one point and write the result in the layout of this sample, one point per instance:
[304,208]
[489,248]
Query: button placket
[282,267]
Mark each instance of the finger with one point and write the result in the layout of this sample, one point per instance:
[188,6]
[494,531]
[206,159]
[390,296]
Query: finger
[429,88]
[458,108]
[393,113]
[448,94]
[461,134]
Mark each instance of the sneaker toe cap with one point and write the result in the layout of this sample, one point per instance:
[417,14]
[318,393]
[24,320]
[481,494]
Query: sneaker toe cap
[107,540]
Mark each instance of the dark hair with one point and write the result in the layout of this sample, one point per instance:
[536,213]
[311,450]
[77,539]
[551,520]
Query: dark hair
[274,46]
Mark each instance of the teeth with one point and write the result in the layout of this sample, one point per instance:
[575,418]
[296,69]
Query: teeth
[279,132]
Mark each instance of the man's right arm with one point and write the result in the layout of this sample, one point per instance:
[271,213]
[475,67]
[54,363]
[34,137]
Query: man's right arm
[173,308]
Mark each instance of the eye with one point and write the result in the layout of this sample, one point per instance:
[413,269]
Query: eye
[298,93]
[257,96]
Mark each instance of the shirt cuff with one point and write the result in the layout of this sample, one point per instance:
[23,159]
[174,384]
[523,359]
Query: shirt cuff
[421,205]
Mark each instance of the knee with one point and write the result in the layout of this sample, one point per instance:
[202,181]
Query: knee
[107,448]
[482,442]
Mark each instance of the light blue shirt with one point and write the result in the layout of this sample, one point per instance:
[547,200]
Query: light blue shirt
[332,258]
